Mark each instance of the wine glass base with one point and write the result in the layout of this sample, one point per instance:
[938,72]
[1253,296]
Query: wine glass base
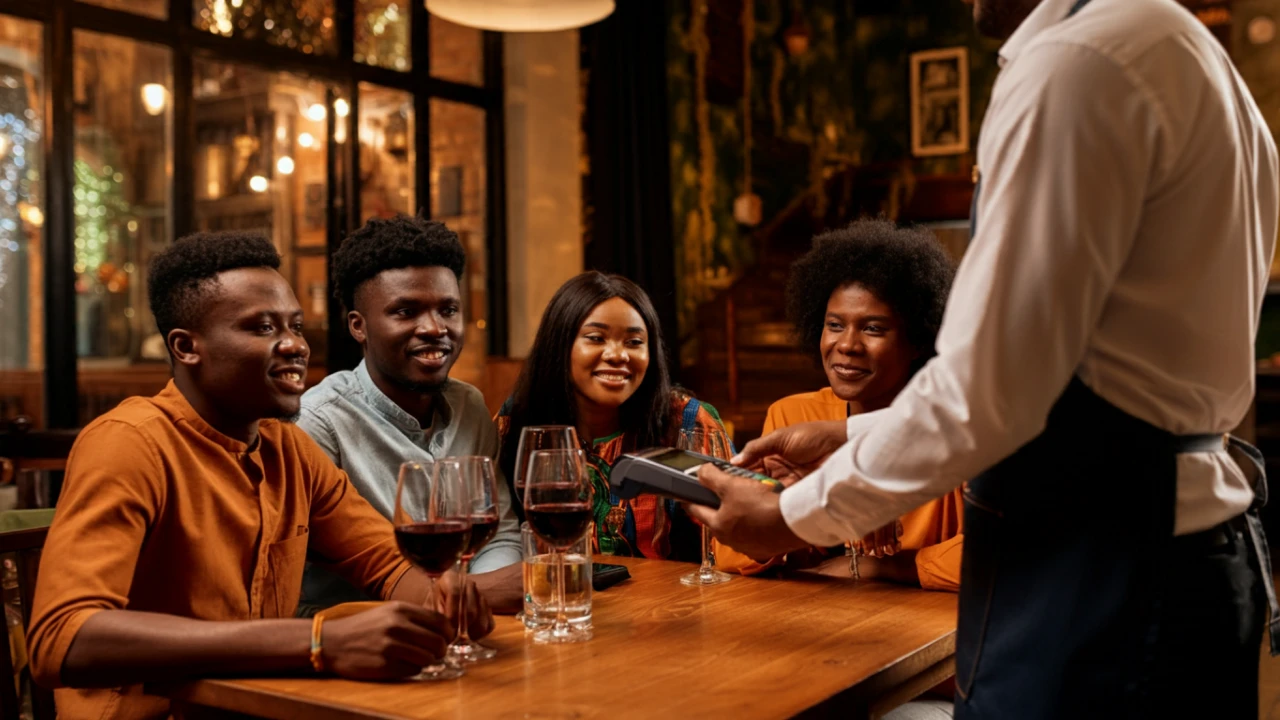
[705,576]
[470,652]
[551,636]
[444,671]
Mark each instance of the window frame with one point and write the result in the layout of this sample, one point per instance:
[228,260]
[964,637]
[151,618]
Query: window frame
[61,18]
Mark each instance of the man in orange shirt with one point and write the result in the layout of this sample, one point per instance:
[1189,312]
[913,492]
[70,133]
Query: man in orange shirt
[868,301]
[185,519]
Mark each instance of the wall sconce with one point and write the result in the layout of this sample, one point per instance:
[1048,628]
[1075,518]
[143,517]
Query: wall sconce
[341,107]
[315,113]
[154,98]
[1261,30]
[285,165]
[796,37]
[306,140]
[258,183]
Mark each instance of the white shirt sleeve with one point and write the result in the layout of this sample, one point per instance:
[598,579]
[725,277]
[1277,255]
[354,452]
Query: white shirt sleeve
[1070,147]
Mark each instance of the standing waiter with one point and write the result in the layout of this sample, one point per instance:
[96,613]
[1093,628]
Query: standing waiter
[1098,342]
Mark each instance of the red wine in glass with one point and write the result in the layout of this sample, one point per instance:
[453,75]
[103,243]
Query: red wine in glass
[559,524]
[433,547]
[483,528]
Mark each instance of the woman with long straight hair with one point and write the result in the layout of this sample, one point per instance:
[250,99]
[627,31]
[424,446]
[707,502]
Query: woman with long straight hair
[598,363]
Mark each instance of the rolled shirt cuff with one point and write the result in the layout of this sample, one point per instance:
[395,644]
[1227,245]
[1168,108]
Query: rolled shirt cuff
[803,511]
[804,505]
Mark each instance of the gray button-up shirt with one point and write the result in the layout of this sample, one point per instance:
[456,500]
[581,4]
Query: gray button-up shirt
[368,435]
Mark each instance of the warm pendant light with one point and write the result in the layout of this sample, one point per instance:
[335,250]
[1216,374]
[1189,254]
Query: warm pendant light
[522,15]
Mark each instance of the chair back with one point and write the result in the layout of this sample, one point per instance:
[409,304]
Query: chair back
[23,546]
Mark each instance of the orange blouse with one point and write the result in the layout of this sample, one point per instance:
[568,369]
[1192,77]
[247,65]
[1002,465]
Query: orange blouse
[934,530]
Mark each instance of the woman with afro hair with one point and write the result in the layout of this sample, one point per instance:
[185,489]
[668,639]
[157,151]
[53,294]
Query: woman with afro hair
[867,301]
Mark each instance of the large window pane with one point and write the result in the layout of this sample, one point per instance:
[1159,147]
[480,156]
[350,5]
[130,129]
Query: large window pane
[303,25]
[457,52]
[458,187]
[385,134]
[22,208]
[382,33]
[260,165]
[121,206]
[150,8]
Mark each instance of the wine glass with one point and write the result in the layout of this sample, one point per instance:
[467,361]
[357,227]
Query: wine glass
[477,474]
[433,527]
[715,444]
[538,437]
[557,501]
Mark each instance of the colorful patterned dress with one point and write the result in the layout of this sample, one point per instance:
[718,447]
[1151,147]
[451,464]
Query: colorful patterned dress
[646,525]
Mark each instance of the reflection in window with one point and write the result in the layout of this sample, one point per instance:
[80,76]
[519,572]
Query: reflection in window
[382,33]
[457,52]
[21,220]
[120,191]
[305,25]
[260,165]
[385,134]
[151,8]
[458,199]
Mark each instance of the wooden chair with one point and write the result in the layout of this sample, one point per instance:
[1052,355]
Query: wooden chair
[30,449]
[22,448]
[26,546]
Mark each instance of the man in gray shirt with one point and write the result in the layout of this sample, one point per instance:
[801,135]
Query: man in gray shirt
[398,280]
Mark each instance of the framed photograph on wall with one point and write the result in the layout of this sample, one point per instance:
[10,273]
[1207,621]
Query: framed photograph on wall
[940,102]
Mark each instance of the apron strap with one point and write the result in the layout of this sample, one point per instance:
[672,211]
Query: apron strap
[1252,464]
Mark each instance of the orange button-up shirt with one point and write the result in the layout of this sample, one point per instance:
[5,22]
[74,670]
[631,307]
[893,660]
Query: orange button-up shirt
[159,512]
[934,529]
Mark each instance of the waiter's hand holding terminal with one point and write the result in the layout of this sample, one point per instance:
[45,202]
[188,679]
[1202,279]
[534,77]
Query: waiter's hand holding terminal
[749,519]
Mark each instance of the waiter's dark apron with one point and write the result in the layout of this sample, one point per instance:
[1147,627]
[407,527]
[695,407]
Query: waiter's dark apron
[1076,598]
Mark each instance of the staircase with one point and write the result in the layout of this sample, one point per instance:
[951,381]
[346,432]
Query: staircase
[746,351]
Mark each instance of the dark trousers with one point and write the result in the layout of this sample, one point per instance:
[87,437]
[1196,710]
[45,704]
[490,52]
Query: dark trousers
[1185,644]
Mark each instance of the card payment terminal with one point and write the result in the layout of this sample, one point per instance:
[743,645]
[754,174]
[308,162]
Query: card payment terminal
[674,474]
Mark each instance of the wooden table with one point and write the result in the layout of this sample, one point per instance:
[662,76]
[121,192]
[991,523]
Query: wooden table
[749,648]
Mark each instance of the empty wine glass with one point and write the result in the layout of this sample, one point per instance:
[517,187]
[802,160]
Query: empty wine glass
[433,527]
[478,474]
[557,501]
[715,444]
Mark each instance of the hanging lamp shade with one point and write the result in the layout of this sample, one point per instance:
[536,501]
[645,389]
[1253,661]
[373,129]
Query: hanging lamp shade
[521,15]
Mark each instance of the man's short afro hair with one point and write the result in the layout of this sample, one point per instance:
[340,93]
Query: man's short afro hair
[182,277]
[905,267]
[391,243]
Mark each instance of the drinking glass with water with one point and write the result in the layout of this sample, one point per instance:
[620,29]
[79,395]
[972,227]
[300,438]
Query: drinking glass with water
[541,581]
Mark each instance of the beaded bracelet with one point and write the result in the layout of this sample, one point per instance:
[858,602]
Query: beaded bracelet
[317,658]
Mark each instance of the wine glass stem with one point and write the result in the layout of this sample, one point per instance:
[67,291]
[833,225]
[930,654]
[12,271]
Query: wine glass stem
[562,622]
[464,636]
[708,558]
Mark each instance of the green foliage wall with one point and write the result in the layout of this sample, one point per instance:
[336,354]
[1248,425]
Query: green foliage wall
[845,101]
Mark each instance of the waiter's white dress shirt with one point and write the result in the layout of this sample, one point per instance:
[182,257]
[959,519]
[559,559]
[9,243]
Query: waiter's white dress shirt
[1126,224]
